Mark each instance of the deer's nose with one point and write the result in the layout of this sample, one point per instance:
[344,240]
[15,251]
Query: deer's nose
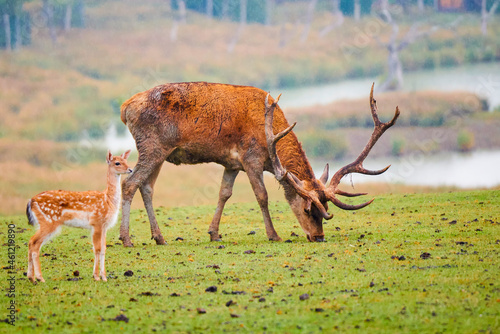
[129,171]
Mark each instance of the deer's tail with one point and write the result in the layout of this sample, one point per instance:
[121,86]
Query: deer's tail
[31,217]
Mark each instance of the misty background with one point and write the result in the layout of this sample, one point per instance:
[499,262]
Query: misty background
[67,65]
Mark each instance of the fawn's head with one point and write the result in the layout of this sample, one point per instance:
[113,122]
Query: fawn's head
[119,164]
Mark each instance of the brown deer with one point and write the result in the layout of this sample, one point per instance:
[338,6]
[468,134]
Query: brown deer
[95,210]
[234,126]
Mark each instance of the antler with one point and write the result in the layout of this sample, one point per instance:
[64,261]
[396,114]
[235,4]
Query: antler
[357,165]
[279,171]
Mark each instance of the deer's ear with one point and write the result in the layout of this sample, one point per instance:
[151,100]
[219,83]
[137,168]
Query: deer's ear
[126,154]
[109,157]
[324,176]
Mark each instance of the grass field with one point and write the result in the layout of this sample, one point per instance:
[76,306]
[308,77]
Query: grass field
[416,263]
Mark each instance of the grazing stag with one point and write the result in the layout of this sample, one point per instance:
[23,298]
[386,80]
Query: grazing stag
[234,126]
[95,210]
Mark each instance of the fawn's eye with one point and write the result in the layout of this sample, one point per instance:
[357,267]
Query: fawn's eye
[117,164]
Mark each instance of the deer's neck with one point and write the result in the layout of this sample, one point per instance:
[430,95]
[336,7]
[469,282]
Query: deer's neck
[293,157]
[113,190]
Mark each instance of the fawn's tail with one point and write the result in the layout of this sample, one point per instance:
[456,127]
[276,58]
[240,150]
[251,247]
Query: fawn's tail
[31,217]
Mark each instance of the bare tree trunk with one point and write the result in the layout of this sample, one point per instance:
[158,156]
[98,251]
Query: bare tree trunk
[6,26]
[243,22]
[210,9]
[225,10]
[269,11]
[484,18]
[67,18]
[357,10]
[17,32]
[309,19]
[337,21]
[180,18]
[420,5]
[48,10]
[485,15]
[243,12]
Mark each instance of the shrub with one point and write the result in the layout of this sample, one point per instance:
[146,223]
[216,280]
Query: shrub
[323,145]
[465,141]
[397,146]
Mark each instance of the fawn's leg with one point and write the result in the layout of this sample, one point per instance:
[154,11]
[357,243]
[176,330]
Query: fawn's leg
[97,236]
[35,244]
[226,190]
[102,257]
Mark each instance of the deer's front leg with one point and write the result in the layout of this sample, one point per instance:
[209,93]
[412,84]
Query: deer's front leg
[259,189]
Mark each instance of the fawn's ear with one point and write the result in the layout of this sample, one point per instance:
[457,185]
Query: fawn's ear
[126,154]
[109,157]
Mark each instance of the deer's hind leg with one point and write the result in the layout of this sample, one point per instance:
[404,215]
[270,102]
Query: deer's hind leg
[226,190]
[42,236]
[99,245]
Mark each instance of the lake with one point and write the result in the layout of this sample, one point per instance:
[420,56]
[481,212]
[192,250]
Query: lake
[481,79]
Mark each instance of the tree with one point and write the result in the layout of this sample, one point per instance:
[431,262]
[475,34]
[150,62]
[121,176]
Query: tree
[338,18]
[420,5]
[394,79]
[309,18]
[486,14]
[241,27]
[357,10]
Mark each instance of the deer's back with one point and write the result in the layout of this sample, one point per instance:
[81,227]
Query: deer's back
[205,122]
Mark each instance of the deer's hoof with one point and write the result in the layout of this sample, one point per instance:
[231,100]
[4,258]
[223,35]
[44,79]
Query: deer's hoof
[215,236]
[276,238]
[159,240]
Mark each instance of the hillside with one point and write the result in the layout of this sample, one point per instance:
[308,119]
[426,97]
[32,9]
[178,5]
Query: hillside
[56,91]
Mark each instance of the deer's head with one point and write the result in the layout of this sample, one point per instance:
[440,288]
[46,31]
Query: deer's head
[309,198]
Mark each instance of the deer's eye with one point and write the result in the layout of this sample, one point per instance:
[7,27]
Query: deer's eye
[117,164]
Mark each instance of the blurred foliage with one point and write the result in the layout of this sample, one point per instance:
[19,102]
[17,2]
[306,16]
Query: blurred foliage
[323,145]
[465,140]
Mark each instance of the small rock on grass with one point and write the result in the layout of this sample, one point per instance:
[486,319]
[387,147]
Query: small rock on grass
[121,317]
[425,255]
[212,288]
[305,296]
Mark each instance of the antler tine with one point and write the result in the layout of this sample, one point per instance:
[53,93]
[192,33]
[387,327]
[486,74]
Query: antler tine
[357,165]
[344,206]
[346,194]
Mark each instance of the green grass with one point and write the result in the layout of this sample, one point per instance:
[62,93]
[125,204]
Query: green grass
[368,277]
